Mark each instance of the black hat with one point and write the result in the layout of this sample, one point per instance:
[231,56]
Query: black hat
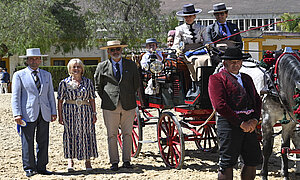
[187,10]
[234,54]
[220,7]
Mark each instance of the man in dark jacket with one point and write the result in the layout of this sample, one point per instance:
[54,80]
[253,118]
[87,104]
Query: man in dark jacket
[116,81]
[222,28]
[234,97]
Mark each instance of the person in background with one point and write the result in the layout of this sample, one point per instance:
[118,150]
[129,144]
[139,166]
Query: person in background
[5,80]
[33,107]
[151,45]
[1,77]
[170,38]
[238,105]
[77,112]
[116,81]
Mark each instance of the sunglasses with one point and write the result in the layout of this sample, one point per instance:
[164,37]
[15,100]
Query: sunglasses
[219,14]
[115,49]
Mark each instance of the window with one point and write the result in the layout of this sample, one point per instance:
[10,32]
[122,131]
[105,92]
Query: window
[253,22]
[90,62]
[266,21]
[59,62]
[247,24]
[259,22]
[241,23]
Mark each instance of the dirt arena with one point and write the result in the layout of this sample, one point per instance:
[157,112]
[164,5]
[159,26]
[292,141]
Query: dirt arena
[149,165]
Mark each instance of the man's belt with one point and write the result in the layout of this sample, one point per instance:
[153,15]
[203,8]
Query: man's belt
[247,112]
[78,102]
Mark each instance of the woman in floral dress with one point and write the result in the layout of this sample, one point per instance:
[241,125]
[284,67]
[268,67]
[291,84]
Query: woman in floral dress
[77,112]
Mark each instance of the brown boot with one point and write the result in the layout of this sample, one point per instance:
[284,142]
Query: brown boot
[225,174]
[248,172]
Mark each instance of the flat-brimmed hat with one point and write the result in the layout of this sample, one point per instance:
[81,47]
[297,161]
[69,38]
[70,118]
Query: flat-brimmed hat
[151,40]
[234,54]
[220,7]
[33,52]
[188,9]
[113,44]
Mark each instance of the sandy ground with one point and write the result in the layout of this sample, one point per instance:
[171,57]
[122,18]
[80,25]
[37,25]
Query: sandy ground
[149,165]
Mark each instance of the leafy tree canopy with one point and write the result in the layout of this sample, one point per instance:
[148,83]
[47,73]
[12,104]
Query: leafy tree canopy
[40,23]
[131,21]
[290,26]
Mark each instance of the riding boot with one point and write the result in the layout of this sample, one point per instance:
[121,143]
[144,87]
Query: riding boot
[225,174]
[248,172]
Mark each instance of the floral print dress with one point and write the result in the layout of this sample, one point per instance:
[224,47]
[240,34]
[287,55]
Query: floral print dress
[79,136]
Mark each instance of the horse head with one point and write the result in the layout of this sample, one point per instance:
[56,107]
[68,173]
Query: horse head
[287,72]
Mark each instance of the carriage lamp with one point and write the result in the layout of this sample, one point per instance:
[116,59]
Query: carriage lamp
[156,67]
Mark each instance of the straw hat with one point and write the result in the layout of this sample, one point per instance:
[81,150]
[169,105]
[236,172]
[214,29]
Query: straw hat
[113,44]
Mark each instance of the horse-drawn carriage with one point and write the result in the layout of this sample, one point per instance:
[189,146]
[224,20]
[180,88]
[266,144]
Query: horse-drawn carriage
[195,122]
[164,86]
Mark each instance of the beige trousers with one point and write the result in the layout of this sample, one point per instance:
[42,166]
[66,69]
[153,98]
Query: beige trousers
[113,120]
[3,86]
[196,61]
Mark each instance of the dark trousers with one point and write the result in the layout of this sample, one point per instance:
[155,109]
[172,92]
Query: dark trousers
[40,128]
[233,142]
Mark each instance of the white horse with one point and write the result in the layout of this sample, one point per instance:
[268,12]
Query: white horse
[273,110]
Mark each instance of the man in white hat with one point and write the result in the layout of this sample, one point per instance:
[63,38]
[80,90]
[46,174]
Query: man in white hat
[222,28]
[116,81]
[192,36]
[33,106]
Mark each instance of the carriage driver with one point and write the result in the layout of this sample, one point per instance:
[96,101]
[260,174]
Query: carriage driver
[238,105]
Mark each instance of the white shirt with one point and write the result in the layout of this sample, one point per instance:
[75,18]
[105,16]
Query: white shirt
[146,58]
[239,78]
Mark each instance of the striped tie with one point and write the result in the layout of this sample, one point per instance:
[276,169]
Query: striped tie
[36,80]
[224,33]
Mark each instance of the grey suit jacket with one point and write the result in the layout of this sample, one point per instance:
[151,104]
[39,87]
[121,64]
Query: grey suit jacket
[214,34]
[111,91]
[27,101]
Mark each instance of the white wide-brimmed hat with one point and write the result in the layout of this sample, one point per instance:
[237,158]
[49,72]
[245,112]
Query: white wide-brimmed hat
[220,7]
[113,44]
[188,9]
[32,53]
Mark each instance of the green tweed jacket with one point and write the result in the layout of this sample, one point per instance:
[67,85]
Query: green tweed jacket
[111,91]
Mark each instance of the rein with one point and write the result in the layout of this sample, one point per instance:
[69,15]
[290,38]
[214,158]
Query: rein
[202,47]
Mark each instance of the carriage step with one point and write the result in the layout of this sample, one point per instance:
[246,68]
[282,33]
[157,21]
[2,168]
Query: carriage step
[147,141]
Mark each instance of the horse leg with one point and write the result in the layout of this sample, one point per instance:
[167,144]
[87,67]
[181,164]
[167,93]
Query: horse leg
[296,142]
[267,141]
[287,131]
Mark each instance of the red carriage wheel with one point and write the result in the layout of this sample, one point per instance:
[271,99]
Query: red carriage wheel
[208,138]
[137,135]
[170,140]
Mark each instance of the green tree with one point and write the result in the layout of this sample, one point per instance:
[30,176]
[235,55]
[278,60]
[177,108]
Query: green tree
[131,21]
[41,23]
[290,26]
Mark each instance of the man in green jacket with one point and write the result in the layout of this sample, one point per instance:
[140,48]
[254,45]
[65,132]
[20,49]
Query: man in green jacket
[116,81]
